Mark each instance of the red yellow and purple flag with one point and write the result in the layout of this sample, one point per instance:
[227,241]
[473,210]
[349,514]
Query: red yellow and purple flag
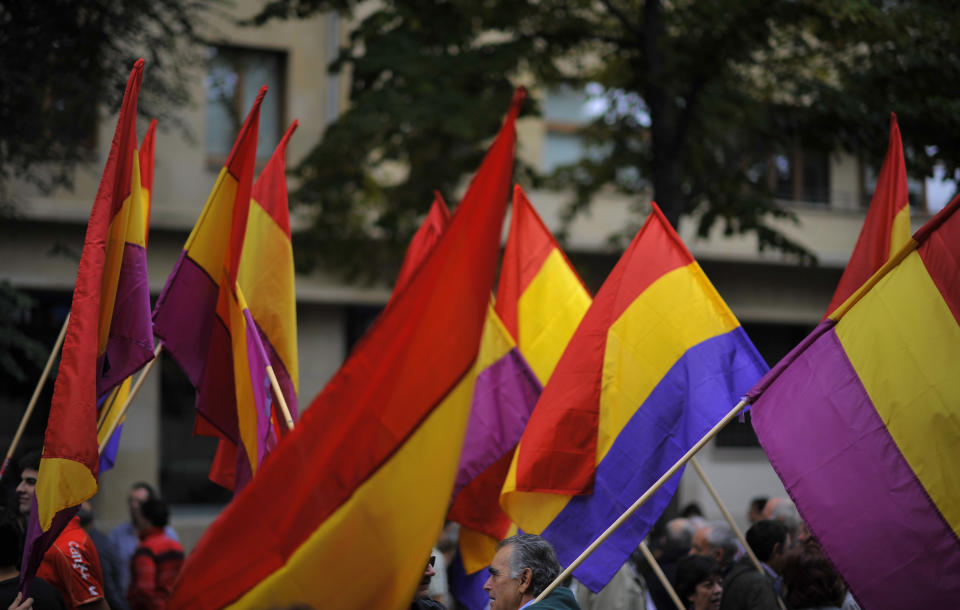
[203,318]
[656,362]
[544,299]
[887,226]
[266,279]
[108,336]
[382,441]
[861,422]
[111,404]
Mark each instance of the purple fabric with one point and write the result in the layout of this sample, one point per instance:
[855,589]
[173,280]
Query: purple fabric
[130,342]
[109,456]
[185,318]
[503,399]
[468,588]
[853,487]
[37,541]
[262,394]
[787,360]
[283,380]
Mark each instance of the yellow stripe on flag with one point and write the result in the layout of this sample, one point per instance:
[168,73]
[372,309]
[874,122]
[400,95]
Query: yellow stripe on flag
[373,543]
[61,483]
[916,393]
[217,212]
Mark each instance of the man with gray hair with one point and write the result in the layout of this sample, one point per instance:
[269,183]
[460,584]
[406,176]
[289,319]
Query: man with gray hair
[522,569]
[717,540]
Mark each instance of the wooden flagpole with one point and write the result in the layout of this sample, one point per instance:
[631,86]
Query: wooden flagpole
[729,518]
[133,392]
[661,576]
[642,499]
[280,399]
[36,395]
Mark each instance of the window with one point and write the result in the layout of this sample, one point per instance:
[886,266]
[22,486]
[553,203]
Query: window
[802,175]
[928,195]
[234,76]
[566,111]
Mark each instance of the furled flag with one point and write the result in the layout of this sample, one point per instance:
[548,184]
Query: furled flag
[423,241]
[861,422]
[204,321]
[381,441]
[656,362]
[112,403]
[267,281]
[108,336]
[544,300]
[887,226]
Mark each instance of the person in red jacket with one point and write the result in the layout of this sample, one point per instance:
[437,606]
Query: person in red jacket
[157,561]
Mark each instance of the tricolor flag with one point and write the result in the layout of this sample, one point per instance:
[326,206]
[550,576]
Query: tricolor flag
[656,362]
[861,421]
[544,300]
[886,229]
[381,442]
[540,297]
[108,336]
[204,320]
[267,281]
[109,409]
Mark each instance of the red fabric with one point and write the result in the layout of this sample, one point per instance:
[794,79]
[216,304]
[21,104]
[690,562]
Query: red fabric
[477,506]
[73,566]
[423,241]
[873,244]
[241,164]
[528,245]
[154,568]
[72,425]
[270,189]
[569,406]
[938,252]
[417,351]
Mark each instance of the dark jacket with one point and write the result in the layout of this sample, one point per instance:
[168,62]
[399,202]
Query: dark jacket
[560,598]
[745,588]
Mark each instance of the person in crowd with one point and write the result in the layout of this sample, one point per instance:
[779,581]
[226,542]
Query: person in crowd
[755,510]
[698,582]
[809,579]
[109,560]
[522,569]
[44,596]
[422,599]
[157,560]
[691,510]
[668,545]
[71,564]
[717,540]
[744,587]
[785,511]
[124,536]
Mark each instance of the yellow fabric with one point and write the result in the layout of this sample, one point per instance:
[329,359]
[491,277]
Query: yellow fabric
[112,408]
[678,311]
[145,199]
[900,230]
[476,549]
[208,240]
[391,521]
[910,371]
[61,483]
[126,226]
[230,308]
[495,341]
[266,278]
[548,312]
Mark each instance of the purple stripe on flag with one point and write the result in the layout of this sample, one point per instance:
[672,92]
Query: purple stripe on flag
[108,458]
[697,391]
[38,541]
[257,361]
[787,360]
[851,483]
[198,340]
[283,379]
[468,588]
[130,343]
[503,398]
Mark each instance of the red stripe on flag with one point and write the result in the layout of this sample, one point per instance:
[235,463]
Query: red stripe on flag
[270,189]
